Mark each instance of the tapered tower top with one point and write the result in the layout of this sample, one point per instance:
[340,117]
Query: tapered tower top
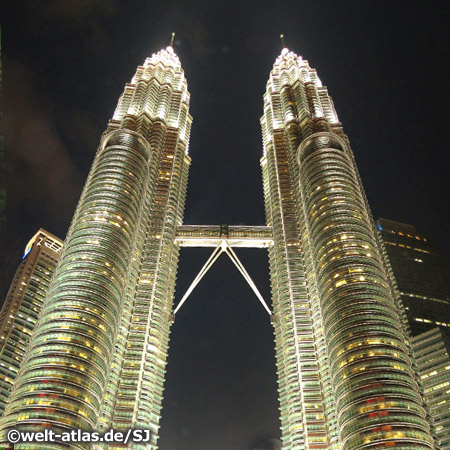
[294,92]
[157,90]
[167,56]
[288,57]
[287,54]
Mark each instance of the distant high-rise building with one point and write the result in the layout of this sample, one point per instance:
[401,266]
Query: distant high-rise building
[23,304]
[97,356]
[432,351]
[421,274]
[423,279]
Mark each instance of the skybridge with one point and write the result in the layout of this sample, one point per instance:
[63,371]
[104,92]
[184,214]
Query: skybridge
[213,235]
[223,238]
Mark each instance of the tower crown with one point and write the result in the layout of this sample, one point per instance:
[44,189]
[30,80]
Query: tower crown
[158,91]
[286,54]
[288,61]
[295,92]
[166,56]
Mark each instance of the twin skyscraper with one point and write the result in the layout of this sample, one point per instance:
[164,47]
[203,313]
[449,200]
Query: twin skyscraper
[97,356]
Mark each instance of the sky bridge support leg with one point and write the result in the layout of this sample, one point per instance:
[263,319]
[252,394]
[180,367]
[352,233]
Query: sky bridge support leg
[223,247]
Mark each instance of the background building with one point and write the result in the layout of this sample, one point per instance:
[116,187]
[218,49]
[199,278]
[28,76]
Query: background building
[421,273]
[423,279]
[432,351]
[23,305]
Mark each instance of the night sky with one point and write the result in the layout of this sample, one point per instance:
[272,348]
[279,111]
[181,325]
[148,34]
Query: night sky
[65,64]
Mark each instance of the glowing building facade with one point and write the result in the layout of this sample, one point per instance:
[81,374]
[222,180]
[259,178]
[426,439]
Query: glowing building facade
[423,279]
[98,354]
[421,274]
[23,304]
[432,352]
[343,357]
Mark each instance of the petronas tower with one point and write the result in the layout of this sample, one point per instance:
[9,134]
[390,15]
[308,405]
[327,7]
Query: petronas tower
[346,379]
[98,353]
[97,356]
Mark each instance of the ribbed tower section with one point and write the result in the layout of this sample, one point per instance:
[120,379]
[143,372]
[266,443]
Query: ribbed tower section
[97,356]
[345,375]
[158,94]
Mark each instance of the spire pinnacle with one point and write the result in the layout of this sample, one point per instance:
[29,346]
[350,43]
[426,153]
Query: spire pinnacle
[282,40]
[171,40]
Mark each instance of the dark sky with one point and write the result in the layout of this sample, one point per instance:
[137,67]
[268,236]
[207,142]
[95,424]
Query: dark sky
[65,64]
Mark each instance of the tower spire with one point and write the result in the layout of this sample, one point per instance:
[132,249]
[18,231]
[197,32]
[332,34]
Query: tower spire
[171,40]
[282,41]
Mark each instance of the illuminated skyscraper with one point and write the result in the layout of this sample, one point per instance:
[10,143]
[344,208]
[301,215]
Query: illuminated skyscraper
[23,304]
[422,276]
[432,351]
[344,372]
[98,354]
[423,280]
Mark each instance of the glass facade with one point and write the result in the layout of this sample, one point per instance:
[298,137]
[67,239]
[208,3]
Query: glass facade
[97,357]
[423,280]
[343,357]
[421,273]
[23,304]
[432,352]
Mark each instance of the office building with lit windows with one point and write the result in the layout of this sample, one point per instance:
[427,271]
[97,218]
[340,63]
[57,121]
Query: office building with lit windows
[432,352]
[423,279]
[421,274]
[23,304]
[98,354]
[343,355]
